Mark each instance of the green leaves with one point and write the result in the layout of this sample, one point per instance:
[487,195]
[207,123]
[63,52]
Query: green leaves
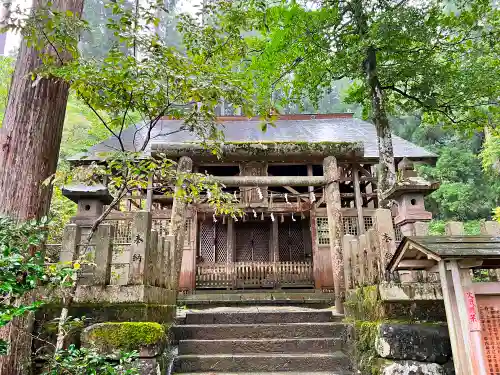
[84,361]
[23,268]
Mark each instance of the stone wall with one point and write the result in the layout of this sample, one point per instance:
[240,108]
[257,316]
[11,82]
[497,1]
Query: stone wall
[399,330]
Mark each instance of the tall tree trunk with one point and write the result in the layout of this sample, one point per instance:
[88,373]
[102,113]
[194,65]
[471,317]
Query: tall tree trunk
[386,173]
[4,16]
[29,147]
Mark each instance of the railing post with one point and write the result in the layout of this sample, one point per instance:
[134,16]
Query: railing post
[167,273]
[69,246]
[454,228]
[140,248]
[346,246]
[362,253]
[103,254]
[382,222]
[372,256]
[153,259]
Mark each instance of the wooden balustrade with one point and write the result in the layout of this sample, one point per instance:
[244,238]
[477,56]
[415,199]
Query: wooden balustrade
[251,275]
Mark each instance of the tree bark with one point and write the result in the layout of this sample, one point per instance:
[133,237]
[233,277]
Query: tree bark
[29,147]
[386,173]
[4,16]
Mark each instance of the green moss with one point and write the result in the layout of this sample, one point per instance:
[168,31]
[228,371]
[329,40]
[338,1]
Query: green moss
[366,355]
[127,335]
[333,148]
[364,304]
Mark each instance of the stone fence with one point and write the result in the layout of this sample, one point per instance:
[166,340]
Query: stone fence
[121,253]
[366,256]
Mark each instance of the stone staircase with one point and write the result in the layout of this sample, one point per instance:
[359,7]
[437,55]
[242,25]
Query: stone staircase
[271,340]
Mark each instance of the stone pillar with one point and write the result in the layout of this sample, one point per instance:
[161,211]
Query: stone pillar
[71,239]
[332,199]
[103,254]
[153,260]
[140,249]
[178,220]
[382,223]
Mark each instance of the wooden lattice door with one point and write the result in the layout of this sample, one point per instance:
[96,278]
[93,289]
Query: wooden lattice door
[213,242]
[252,241]
[291,241]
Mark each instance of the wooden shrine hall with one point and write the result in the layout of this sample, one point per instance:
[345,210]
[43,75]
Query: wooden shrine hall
[288,181]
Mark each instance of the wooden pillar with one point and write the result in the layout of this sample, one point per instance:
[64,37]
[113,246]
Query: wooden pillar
[454,328]
[140,249]
[187,277]
[274,241]
[333,206]
[230,240]
[358,199]
[315,248]
[178,220]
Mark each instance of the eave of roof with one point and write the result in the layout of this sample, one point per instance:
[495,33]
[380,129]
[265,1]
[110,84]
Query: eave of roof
[447,248]
[302,128]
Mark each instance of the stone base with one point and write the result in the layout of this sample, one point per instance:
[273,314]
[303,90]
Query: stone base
[411,368]
[417,342]
[409,302]
[113,294]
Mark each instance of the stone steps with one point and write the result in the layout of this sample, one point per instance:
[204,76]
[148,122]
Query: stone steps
[262,363]
[263,341]
[318,316]
[237,346]
[261,331]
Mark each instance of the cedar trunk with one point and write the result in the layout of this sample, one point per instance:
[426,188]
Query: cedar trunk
[386,173]
[29,147]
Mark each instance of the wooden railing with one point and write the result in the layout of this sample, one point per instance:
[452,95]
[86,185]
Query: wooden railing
[251,275]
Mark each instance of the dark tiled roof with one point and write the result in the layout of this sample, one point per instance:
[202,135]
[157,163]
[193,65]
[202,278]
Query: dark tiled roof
[335,129]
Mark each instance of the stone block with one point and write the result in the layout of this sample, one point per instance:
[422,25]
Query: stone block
[417,342]
[411,368]
[148,338]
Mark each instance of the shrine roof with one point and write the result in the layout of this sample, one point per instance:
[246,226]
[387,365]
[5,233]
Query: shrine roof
[292,128]
[415,252]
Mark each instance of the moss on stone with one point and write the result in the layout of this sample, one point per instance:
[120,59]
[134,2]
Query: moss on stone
[366,356]
[364,304]
[126,335]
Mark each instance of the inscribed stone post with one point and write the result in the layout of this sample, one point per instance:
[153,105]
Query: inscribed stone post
[178,222]
[382,222]
[140,248]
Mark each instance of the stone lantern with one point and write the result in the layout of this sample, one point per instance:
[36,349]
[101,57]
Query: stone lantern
[90,200]
[408,194]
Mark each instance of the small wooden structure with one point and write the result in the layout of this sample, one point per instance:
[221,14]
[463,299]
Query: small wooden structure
[302,185]
[472,307]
